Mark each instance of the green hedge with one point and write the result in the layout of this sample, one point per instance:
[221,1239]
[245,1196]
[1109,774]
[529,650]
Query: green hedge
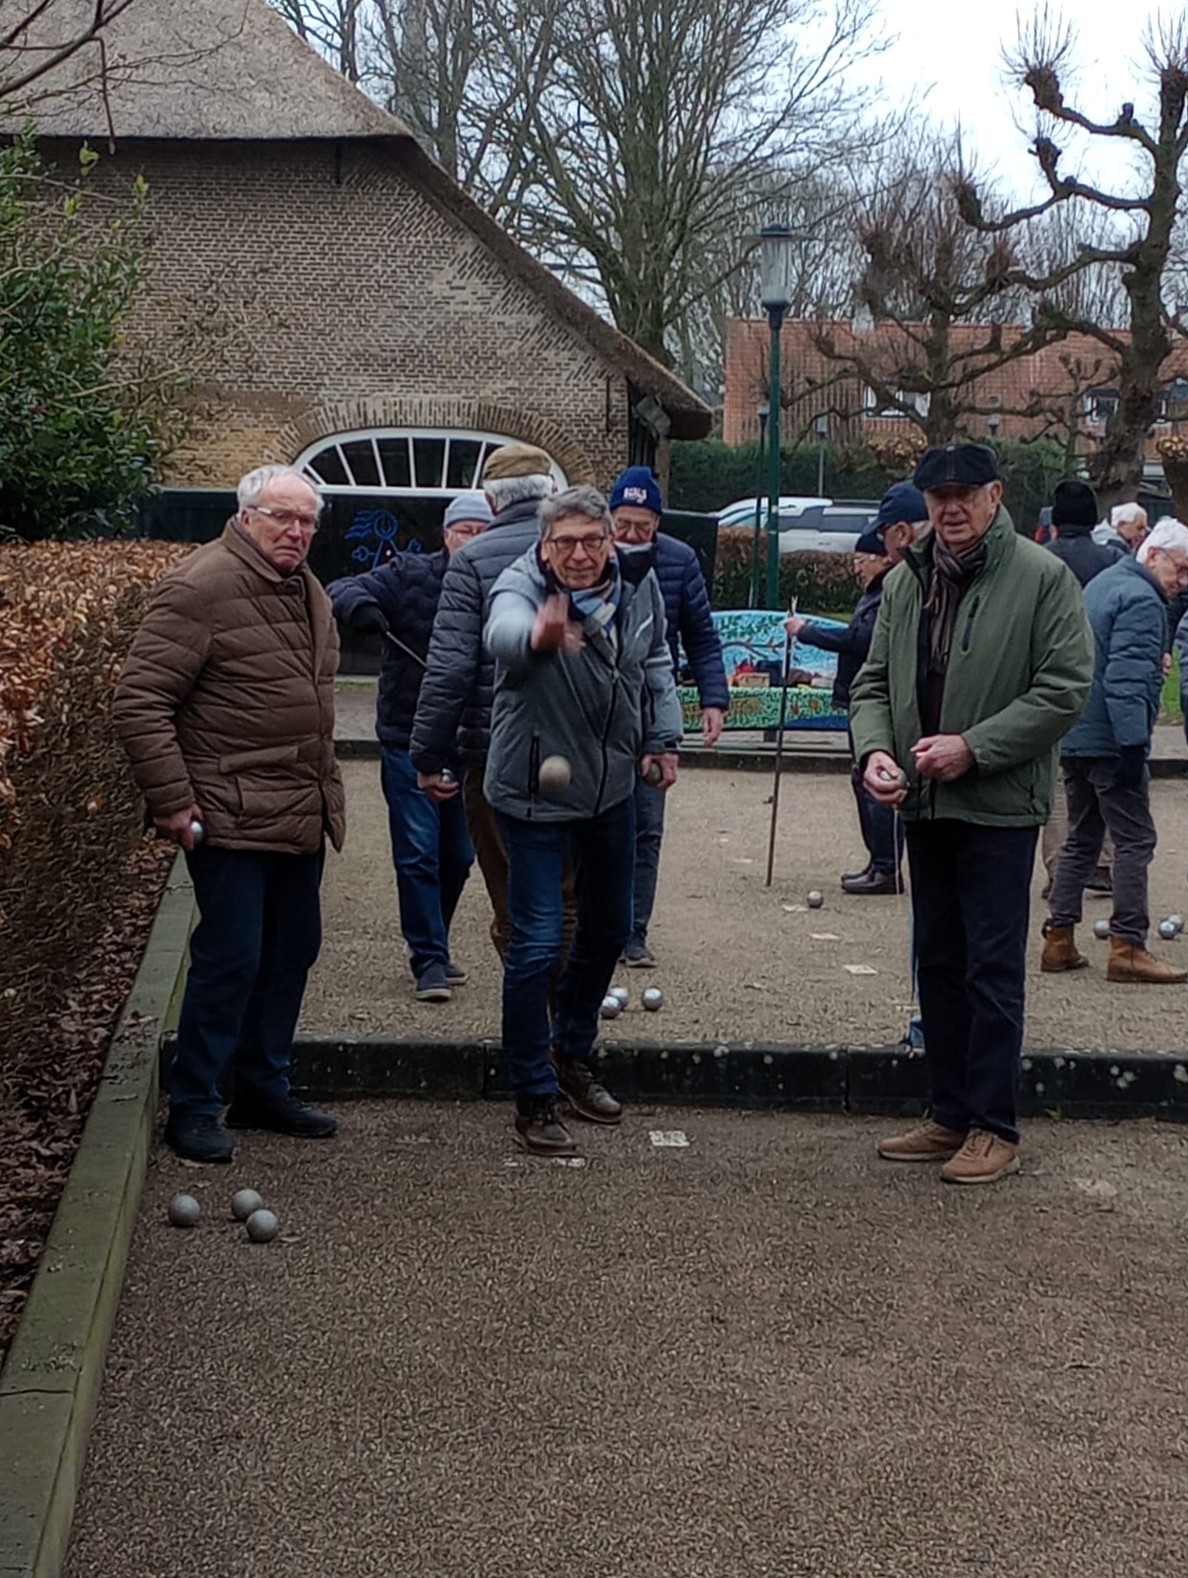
[821,583]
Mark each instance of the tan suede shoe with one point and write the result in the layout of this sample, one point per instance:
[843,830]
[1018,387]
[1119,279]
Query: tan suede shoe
[984,1158]
[930,1142]
[1129,961]
[1060,951]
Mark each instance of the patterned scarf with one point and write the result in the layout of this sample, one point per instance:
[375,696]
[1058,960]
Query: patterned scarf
[593,607]
[951,575]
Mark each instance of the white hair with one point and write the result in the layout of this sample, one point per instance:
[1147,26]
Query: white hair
[1169,533]
[1121,514]
[252,486]
[506,491]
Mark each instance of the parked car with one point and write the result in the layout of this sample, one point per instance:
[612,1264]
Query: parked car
[742,511]
[809,525]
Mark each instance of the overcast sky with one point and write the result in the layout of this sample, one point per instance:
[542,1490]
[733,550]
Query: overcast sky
[954,50]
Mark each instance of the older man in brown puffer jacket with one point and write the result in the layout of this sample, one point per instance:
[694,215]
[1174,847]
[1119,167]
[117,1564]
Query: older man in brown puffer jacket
[226,709]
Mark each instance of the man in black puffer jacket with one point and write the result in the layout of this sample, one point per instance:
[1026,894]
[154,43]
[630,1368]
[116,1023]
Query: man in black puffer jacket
[883,839]
[431,848]
[454,708]
[1074,515]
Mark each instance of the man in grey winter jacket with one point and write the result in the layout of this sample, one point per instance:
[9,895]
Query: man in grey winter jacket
[1103,757]
[584,702]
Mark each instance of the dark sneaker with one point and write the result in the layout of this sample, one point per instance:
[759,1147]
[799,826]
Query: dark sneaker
[433,984]
[540,1131]
[638,956]
[852,876]
[455,974]
[584,1094]
[199,1137]
[873,883]
[281,1115]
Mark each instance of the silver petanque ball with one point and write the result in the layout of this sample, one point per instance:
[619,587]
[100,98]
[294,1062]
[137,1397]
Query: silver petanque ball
[262,1227]
[447,777]
[244,1202]
[1178,922]
[815,900]
[652,998]
[1101,929]
[611,1007]
[184,1210]
[1168,931]
[197,830]
[623,993]
[553,777]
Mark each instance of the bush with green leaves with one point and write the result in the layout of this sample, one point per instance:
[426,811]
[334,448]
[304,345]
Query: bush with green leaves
[82,430]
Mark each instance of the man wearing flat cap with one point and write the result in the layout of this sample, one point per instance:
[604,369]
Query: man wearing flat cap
[453,716]
[981,660]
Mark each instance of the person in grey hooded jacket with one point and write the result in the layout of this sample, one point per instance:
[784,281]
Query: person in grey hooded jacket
[584,702]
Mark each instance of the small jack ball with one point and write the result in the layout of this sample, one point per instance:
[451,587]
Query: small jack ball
[244,1202]
[184,1210]
[553,777]
[652,999]
[623,993]
[1101,929]
[262,1227]
[611,1008]
[1167,931]
[815,900]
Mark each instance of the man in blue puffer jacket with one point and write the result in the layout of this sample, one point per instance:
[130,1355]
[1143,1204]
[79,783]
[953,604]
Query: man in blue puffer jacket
[431,847]
[636,508]
[1103,757]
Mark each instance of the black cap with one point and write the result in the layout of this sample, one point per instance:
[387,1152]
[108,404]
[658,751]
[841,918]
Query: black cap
[956,465]
[871,541]
[1074,504]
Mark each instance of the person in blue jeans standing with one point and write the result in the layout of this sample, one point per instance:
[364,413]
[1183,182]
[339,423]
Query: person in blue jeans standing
[431,847]
[585,702]
[636,512]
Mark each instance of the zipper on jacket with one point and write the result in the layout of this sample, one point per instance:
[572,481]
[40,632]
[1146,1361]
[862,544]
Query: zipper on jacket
[533,773]
[968,636]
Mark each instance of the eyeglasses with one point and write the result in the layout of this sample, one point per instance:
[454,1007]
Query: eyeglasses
[567,545]
[466,528]
[632,531]
[286,518]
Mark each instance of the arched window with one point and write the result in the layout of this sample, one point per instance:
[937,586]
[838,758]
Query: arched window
[403,460]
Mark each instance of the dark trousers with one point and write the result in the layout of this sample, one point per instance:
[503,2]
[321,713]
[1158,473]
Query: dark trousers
[649,832]
[882,830]
[490,850]
[600,852]
[259,932]
[432,853]
[971,891]
[1097,804]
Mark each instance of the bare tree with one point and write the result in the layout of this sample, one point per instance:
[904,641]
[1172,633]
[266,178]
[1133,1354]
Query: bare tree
[333,27]
[38,36]
[1147,220]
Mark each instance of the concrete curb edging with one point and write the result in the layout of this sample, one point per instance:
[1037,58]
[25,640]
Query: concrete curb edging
[889,1080]
[50,1382]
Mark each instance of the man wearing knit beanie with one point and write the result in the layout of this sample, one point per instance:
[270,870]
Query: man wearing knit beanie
[636,506]
[1074,515]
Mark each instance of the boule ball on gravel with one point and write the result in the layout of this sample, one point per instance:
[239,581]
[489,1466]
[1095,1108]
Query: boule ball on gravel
[1178,922]
[553,777]
[1167,930]
[623,993]
[652,999]
[611,1007]
[184,1210]
[244,1202]
[262,1226]
[1101,929]
[815,900]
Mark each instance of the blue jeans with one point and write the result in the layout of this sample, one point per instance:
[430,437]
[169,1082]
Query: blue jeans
[649,830]
[971,903]
[259,934]
[601,850]
[432,853]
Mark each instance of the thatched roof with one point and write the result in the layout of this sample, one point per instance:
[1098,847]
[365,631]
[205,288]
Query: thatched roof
[233,70]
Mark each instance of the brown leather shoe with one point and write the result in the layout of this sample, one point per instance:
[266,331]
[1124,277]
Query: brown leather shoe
[540,1131]
[929,1142]
[584,1094]
[983,1159]
[1130,961]
[1060,951]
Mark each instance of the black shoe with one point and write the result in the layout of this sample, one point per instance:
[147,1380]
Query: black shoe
[1101,883]
[584,1094]
[873,882]
[281,1115]
[199,1137]
[433,984]
[539,1130]
[854,876]
[638,956]
[456,974]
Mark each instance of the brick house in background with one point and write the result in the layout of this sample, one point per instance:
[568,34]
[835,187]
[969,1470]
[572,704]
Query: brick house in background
[825,399]
[338,299]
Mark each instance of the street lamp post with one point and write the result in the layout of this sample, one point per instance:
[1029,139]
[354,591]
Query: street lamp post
[775,265]
[821,430]
[758,537]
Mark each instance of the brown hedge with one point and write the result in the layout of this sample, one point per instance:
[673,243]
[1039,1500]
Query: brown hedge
[69,813]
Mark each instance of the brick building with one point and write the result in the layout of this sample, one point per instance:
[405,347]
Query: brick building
[1065,390]
[338,300]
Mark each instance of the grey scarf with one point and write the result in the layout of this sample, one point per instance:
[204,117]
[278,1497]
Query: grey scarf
[951,576]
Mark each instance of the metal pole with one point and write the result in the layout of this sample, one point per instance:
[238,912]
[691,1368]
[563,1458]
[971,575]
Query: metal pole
[820,469]
[779,761]
[758,537]
[775,316]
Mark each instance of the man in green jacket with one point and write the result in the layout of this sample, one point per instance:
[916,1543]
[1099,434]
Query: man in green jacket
[981,660]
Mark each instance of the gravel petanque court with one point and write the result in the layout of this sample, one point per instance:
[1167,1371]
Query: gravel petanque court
[738,961]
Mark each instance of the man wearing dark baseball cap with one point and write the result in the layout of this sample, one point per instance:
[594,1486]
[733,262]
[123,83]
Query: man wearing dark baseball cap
[981,660]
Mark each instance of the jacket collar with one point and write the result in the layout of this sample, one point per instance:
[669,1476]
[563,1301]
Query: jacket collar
[1131,566]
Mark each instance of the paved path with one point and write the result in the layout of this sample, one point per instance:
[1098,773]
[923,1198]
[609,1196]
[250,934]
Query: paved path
[765,1354]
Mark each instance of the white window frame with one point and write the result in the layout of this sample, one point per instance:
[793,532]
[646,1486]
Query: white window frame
[919,400]
[307,460]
